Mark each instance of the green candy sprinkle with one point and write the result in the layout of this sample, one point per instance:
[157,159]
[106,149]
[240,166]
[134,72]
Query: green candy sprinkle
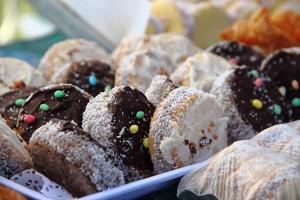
[296,102]
[253,73]
[44,107]
[59,94]
[140,115]
[107,88]
[19,102]
[277,109]
[177,85]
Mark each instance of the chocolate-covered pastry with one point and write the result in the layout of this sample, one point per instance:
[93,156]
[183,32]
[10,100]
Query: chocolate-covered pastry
[62,101]
[251,101]
[93,76]
[11,102]
[283,67]
[238,53]
[120,120]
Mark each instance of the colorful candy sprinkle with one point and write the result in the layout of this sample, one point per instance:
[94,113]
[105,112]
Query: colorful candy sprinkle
[59,94]
[282,90]
[28,119]
[277,109]
[93,80]
[257,103]
[233,61]
[133,129]
[253,73]
[296,102]
[19,102]
[258,82]
[140,115]
[44,107]
[295,84]
[177,85]
[107,88]
[146,142]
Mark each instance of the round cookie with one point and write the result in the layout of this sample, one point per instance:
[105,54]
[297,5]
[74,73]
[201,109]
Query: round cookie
[14,158]
[17,74]
[70,157]
[62,101]
[11,103]
[159,89]
[283,67]
[251,101]
[187,127]
[238,53]
[69,51]
[93,76]
[200,71]
[120,120]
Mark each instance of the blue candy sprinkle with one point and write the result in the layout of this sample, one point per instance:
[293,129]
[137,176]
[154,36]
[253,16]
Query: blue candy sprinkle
[92,80]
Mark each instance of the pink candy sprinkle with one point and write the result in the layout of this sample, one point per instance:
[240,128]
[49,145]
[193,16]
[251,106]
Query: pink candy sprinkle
[28,119]
[233,61]
[258,82]
[295,84]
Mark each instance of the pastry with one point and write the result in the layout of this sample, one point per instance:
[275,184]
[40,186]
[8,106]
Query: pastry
[159,89]
[283,67]
[265,167]
[9,194]
[251,101]
[200,71]
[62,101]
[93,76]
[69,156]
[187,127]
[69,51]
[14,158]
[17,74]
[11,103]
[238,53]
[120,120]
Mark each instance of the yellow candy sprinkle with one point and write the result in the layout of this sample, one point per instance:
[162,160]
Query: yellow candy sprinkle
[146,143]
[257,103]
[133,129]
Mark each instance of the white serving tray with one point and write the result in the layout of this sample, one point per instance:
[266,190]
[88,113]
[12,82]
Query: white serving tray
[125,192]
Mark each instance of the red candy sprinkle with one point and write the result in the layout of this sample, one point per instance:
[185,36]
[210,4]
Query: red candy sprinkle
[28,119]
[258,82]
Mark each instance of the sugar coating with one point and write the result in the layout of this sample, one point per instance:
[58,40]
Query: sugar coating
[14,158]
[78,149]
[237,128]
[188,126]
[159,89]
[71,50]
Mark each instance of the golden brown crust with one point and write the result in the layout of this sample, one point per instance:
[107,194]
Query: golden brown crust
[9,194]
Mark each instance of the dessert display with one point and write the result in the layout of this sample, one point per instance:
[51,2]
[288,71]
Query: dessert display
[200,71]
[239,171]
[119,120]
[188,126]
[61,101]
[251,101]
[283,67]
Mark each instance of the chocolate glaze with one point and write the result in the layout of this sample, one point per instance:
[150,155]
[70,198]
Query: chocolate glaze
[284,67]
[8,110]
[130,146]
[244,91]
[79,73]
[244,54]
[69,108]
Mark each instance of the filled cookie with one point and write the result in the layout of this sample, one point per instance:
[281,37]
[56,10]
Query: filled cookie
[62,101]
[119,120]
[251,101]
[187,127]
[238,53]
[159,89]
[93,76]
[200,71]
[69,51]
[14,158]
[11,103]
[283,67]
[16,74]
[70,157]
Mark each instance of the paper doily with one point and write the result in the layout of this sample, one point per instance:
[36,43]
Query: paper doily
[38,182]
